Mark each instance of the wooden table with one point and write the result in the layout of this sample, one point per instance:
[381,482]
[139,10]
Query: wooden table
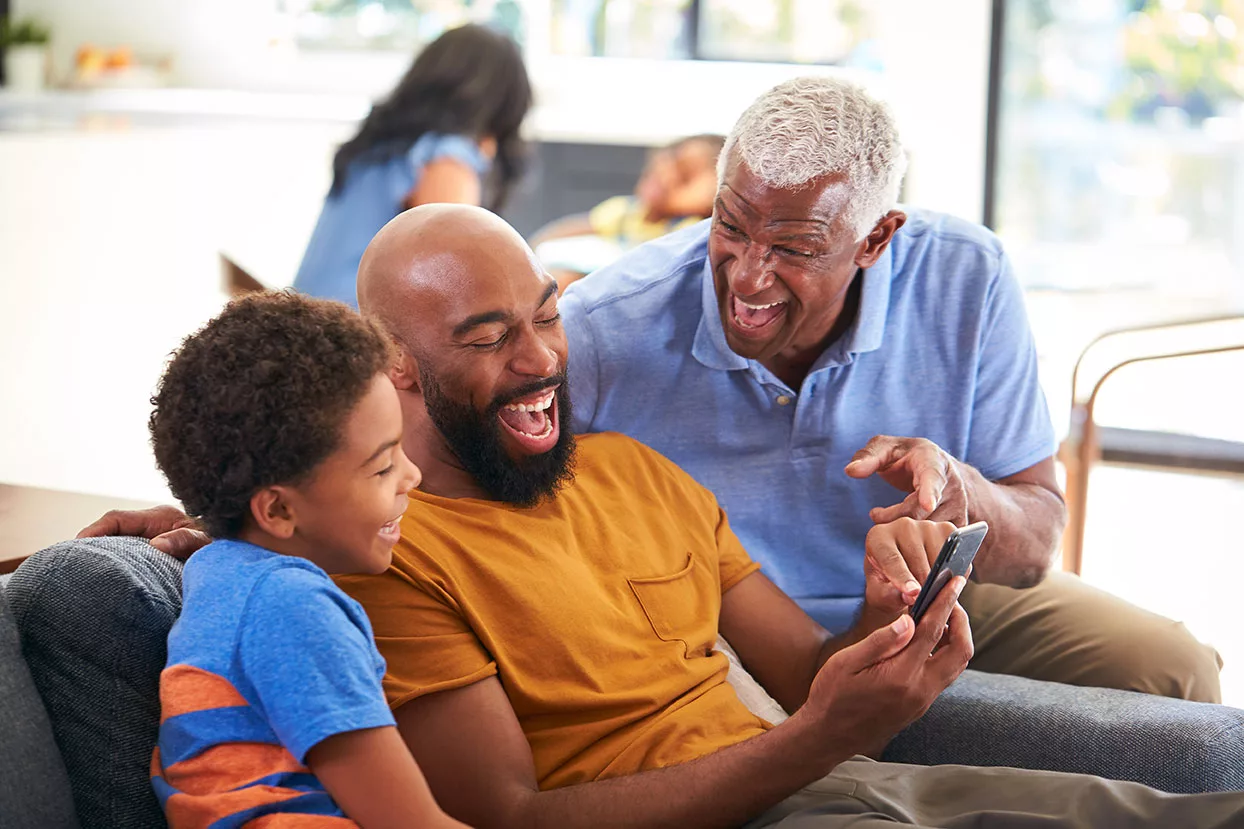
[31,519]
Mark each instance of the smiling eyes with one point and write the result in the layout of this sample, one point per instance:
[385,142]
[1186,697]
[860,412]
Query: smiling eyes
[732,230]
[493,345]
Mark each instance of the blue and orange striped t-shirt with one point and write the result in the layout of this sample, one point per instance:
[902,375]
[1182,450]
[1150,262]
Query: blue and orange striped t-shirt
[268,658]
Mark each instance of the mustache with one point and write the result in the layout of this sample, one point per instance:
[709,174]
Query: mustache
[533,387]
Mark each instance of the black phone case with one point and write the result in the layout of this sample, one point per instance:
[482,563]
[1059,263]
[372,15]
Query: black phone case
[954,559]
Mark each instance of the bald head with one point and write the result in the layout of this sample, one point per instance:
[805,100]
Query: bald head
[482,373]
[433,256]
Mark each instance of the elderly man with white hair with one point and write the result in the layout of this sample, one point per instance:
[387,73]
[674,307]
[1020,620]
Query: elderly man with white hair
[811,348]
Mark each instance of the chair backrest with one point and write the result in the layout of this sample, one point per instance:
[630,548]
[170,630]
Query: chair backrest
[34,789]
[1114,349]
[94,616]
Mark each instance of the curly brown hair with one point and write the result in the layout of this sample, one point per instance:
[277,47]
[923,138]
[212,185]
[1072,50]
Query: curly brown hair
[259,396]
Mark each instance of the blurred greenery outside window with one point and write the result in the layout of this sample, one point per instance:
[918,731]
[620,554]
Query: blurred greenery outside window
[393,25]
[1121,148]
[840,32]
[1119,192]
[795,31]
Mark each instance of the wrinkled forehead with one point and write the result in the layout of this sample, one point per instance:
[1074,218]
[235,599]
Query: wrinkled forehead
[494,276]
[821,202]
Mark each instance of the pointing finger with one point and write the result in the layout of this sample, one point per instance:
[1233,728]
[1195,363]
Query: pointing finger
[878,453]
[908,507]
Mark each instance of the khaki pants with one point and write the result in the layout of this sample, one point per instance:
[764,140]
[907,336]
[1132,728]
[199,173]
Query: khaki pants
[861,794]
[1064,630]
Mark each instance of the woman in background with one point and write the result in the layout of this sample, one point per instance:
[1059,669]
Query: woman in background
[449,132]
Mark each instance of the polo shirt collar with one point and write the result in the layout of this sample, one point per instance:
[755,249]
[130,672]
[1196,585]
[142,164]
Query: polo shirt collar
[864,335]
[710,346]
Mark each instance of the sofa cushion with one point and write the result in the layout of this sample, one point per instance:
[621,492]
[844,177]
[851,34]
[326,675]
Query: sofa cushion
[94,617]
[34,790]
[998,720]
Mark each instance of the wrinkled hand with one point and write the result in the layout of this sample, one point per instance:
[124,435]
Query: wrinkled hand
[917,466]
[166,528]
[868,692]
[897,560]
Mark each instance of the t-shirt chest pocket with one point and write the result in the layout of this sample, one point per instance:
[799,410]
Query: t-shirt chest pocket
[682,607]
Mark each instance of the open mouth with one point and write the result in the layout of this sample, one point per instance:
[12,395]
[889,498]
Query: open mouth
[532,421]
[755,320]
[391,532]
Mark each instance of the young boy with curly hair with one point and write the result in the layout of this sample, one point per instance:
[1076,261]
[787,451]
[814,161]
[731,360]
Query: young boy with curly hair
[276,426]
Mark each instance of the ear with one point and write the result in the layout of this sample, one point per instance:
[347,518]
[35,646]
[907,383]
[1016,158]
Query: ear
[273,512]
[879,238]
[405,371]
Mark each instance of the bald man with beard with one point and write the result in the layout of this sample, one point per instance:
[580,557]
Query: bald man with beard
[550,618]
[456,317]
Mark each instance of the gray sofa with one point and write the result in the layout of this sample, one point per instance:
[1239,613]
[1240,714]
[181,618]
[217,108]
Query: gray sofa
[79,707]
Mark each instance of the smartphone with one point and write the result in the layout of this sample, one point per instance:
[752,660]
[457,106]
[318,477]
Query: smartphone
[954,560]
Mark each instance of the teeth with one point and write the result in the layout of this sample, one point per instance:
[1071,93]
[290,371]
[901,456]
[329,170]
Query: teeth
[539,406]
[757,307]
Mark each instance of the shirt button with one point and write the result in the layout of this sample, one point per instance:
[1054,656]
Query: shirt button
[783,400]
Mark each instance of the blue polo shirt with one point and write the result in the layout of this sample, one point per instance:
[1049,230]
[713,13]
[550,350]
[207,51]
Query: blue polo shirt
[940,348]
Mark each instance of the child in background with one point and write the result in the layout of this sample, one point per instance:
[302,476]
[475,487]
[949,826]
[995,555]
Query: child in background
[276,426]
[675,190]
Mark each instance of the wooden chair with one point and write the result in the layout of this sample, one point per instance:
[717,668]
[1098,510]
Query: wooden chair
[1089,443]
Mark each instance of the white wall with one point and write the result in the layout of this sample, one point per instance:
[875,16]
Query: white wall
[109,247]
[937,57]
[938,76]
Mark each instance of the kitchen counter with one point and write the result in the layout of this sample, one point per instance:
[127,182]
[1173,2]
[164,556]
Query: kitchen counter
[585,101]
[63,109]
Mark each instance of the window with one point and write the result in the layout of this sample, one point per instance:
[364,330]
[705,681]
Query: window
[1120,181]
[1121,151]
[788,31]
[795,31]
[622,28]
[401,25]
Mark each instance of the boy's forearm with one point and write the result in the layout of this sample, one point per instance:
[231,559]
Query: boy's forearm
[375,781]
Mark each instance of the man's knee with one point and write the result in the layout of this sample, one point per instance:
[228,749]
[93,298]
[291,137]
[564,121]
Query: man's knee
[1172,662]
[1065,630]
[1139,650]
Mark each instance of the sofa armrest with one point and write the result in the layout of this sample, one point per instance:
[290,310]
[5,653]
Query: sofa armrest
[94,616]
[34,788]
[997,720]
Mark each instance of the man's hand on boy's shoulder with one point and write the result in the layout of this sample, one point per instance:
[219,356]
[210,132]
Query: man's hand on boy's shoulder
[166,528]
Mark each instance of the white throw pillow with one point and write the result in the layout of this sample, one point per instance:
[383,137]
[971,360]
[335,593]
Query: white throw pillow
[755,697]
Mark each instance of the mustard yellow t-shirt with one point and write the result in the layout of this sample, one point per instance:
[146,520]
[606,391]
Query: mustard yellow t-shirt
[597,610]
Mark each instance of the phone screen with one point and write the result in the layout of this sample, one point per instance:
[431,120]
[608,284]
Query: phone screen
[954,559]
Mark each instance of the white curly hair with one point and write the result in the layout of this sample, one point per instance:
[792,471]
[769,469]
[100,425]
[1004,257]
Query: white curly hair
[807,127]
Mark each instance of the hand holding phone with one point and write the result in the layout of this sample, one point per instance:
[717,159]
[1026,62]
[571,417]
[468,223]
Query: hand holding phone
[954,559]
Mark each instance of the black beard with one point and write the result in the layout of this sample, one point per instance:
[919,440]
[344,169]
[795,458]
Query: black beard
[475,438]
